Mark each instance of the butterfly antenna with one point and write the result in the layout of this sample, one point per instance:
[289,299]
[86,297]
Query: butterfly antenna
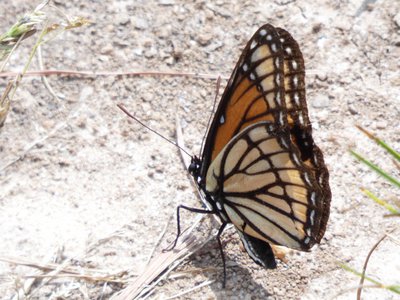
[121,107]
[213,111]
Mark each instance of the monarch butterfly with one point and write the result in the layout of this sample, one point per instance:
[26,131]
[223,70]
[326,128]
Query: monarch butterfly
[259,168]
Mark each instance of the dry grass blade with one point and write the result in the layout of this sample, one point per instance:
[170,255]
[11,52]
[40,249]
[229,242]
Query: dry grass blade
[164,263]
[65,271]
[106,73]
[160,237]
[5,103]
[360,287]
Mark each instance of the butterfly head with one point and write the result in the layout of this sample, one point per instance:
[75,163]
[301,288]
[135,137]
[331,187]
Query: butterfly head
[194,168]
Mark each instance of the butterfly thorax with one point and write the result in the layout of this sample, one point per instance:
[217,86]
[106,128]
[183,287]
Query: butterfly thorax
[213,199]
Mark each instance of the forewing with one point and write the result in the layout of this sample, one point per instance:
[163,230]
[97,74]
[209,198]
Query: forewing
[255,92]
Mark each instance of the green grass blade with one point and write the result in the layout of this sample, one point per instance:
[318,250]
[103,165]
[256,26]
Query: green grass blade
[381,143]
[393,288]
[386,205]
[376,169]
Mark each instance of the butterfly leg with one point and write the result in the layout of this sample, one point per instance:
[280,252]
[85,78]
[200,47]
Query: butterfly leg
[191,209]
[221,229]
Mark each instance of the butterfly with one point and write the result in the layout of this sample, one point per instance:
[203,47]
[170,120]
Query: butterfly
[259,168]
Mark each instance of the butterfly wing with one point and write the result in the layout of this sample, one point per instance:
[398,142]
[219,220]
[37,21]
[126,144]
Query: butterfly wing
[273,189]
[259,250]
[254,93]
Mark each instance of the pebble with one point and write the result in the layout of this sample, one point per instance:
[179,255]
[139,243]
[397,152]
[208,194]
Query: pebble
[166,2]
[107,49]
[138,51]
[150,53]
[321,101]
[396,19]
[381,125]
[140,23]
[204,39]
[352,109]
[124,20]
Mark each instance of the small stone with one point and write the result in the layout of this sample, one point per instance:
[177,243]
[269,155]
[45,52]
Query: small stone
[316,28]
[124,20]
[396,19]
[150,53]
[147,42]
[138,51]
[147,96]
[352,109]
[166,2]
[381,125]
[321,76]
[204,39]
[107,49]
[321,101]
[164,32]
[140,23]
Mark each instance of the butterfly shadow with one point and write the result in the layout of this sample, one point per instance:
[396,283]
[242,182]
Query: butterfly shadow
[239,279]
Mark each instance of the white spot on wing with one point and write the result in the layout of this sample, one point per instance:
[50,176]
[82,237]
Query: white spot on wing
[253,44]
[306,240]
[222,120]
[273,47]
[308,231]
[278,98]
[277,79]
[277,61]
[307,179]
[283,142]
[281,118]
[263,32]
[313,198]
[294,64]
[245,67]
[218,206]
[269,37]
[296,99]
[295,81]
[252,76]
[301,120]
[312,215]
[288,50]
[296,159]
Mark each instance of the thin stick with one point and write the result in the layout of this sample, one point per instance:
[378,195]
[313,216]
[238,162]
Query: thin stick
[68,271]
[395,240]
[105,73]
[92,278]
[360,287]
[160,237]
[11,52]
[44,78]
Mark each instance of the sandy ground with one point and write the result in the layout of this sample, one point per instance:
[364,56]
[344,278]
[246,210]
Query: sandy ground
[96,190]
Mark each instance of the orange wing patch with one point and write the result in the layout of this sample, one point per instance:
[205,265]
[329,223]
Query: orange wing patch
[259,84]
